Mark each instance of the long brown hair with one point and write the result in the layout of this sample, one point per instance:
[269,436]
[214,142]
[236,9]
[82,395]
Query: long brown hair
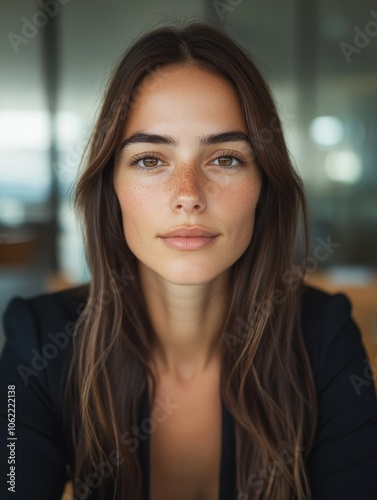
[266,378]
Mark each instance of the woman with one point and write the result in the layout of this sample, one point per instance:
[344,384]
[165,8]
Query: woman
[196,364]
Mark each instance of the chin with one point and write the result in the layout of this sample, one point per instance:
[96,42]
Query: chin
[191,274]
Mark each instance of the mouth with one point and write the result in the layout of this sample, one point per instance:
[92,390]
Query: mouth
[190,232]
[189,243]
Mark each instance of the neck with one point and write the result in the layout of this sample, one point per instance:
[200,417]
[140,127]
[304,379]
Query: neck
[187,321]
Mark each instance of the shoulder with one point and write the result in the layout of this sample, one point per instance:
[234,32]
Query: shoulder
[319,306]
[343,458]
[62,302]
[331,335]
[28,321]
[38,348]
[322,315]
[39,339]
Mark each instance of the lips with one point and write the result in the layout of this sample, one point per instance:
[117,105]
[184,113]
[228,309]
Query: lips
[190,232]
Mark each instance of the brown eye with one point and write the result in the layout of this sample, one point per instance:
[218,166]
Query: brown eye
[225,161]
[146,162]
[150,162]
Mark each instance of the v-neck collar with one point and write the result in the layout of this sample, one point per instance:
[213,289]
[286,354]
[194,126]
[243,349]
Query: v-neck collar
[227,466]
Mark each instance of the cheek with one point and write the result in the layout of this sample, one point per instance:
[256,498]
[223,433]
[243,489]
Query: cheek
[140,213]
[238,207]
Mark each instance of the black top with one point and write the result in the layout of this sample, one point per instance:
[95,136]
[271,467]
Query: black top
[342,464]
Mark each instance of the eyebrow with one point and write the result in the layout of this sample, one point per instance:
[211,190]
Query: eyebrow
[206,140]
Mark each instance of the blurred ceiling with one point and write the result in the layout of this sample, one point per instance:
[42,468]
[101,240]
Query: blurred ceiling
[94,33]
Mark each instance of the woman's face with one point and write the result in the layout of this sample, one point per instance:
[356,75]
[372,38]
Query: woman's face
[186,180]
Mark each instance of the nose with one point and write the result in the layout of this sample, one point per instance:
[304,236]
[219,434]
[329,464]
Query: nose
[188,185]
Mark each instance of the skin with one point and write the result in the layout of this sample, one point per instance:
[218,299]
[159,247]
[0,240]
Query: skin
[187,292]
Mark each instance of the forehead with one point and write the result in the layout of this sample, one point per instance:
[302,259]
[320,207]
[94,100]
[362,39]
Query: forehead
[185,94]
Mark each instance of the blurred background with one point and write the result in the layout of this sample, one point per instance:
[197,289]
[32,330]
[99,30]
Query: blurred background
[319,58]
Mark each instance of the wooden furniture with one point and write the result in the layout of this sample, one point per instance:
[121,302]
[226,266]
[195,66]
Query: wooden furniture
[68,492]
